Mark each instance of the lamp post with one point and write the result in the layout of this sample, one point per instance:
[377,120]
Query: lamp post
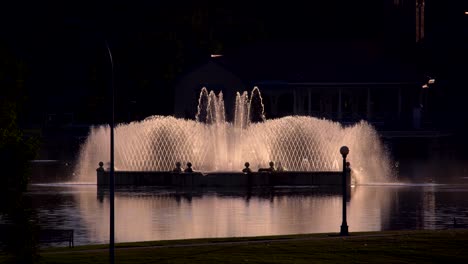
[344,225]
[111,173]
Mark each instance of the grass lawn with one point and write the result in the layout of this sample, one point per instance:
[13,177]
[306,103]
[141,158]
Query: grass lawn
[441,246]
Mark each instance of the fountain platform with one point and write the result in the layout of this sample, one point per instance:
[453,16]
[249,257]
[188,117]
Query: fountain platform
[222,179]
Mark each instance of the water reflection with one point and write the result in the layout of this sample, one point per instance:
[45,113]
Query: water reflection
[159,214]
[145,214]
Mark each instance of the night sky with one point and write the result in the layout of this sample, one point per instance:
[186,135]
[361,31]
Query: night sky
[62,54]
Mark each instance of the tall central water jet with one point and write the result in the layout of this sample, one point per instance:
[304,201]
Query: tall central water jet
[211,143]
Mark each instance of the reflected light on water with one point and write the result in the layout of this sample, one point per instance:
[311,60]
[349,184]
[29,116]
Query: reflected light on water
[161,214]
[178,216]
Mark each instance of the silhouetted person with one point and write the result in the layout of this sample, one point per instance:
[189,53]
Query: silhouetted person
[270,169]
[101,168]
[272,166]
[248,172]
[348,168]
[189,167]
[247,169]
[178,168]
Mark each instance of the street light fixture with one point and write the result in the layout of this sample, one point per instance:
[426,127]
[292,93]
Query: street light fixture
[344,150]
[430,81]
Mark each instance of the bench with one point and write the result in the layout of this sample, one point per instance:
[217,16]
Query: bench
[8,232]
[56,236]
[265,170]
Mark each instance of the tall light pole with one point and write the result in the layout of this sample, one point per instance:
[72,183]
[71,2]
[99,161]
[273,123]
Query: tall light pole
[344,225]
[111,174]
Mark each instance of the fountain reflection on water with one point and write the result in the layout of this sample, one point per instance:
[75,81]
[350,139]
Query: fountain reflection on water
[159,214]
[151,213]
[300,143]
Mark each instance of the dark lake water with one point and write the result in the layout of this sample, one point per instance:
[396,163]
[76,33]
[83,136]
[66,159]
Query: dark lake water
[158,214]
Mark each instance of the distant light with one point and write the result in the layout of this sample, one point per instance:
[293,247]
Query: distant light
[466,12]
[425,86]
[216,55]
[431,81]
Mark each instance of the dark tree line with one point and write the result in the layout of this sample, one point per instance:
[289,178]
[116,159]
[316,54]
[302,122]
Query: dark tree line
[17,225]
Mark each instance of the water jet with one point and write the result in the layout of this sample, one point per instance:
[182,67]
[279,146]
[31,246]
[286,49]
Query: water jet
[215,145]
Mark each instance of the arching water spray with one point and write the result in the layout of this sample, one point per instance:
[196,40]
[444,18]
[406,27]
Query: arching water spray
[256,107]
[202,108]
[300,143]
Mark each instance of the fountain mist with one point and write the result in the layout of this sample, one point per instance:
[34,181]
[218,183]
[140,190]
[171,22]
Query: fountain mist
[211,143]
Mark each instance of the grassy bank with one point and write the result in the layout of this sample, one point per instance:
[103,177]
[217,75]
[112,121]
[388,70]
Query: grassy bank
[448,246]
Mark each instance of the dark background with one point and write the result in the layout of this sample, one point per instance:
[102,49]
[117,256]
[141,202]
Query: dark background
[55,65]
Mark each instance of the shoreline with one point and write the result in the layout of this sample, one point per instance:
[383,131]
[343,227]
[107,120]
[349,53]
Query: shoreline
[201,242]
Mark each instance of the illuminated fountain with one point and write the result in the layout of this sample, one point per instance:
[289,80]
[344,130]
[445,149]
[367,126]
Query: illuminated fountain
[211,143]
